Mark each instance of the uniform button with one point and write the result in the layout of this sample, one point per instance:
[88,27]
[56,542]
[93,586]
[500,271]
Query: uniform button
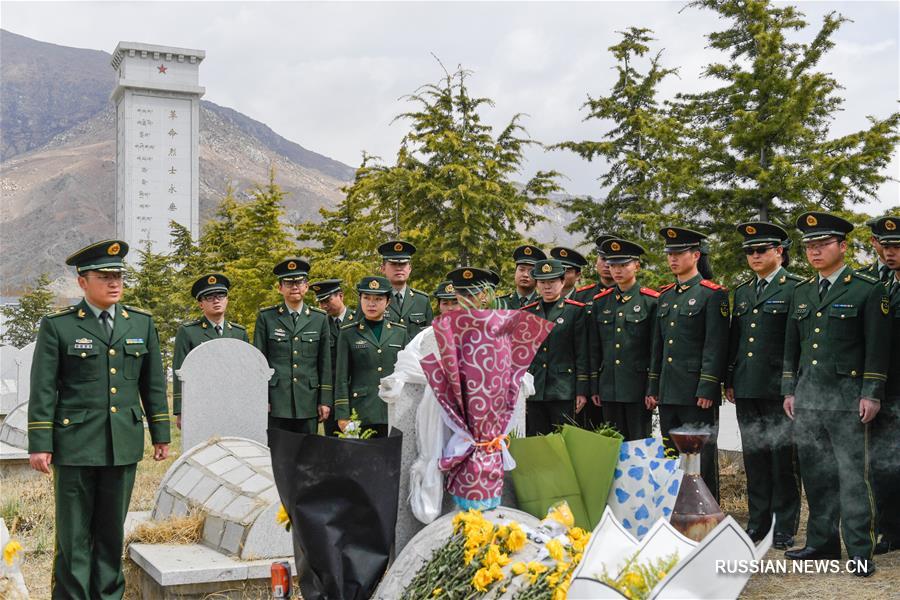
[621,314]
[842,316]
[671,341]
[618,345]
[618,362]
[380,369]
[113,370]
[852,373]
[296,339]
[817,330]
[815,345]
[113,390]
[674,306]
[401,320]
[818,314]
[65,421]
[295,352]
[113,409]
[294,365]
[753,325]
[749,354]
[112,351]
[570,370]
[750,340]
[545,350]
[755,311]
[295,380]
[618,329]
[544,365]
[379,351]
[670,359]
[672,323]
[83,354]
[815,362]
[355,395]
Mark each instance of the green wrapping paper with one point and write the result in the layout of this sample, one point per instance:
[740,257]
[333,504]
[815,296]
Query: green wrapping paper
[576,466]
[594,458]
[544,476]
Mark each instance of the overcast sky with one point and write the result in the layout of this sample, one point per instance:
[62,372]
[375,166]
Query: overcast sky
[329,75]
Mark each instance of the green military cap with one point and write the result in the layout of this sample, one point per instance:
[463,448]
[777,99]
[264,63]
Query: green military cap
[107,255]
[326,287]
[396,251]
[602,238]
[762,233]
[820,225]
[528,255]
[568,257]
[472,279]
[679,238]
[210,283]
[886,229]
[618,251]
[444,291]
[291,269]
[548,269]
[374,284]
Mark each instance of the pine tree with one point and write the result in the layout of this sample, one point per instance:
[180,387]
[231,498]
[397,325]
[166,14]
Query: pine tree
[22,321]
[760,143]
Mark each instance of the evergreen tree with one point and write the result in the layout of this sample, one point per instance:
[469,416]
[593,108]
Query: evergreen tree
[760,143]
[22,321]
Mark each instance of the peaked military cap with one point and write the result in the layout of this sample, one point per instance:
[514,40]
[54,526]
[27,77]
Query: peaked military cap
[820,225]
[679,238]
[886,229]
[396,251]
[602,238]
[472,279]
[568,257]
[444,291]
[326,287]
[291,269]
[209,284]
[618,251]
[528,255]
[762,233]
[548,269]
[107,255]
[374,284]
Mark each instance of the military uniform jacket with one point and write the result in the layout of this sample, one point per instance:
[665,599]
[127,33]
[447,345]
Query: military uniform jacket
[300,353]
[362,360]
[756,343]
[511,301]
[622,332]
[836,349]
[335,329]
[693,342]
[561,367]
[892,391]
[189,336]
[415,314]
[88,396]
[587,292]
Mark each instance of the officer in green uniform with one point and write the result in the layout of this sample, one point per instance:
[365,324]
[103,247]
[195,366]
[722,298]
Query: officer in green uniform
[693,346]
[886,426]
[561,366]
[622,330]
[446,297]
[408,306]
[878,269]
[330,297]
[526,292]
[367,351]
[573,262]
[296,340]
[96,373]
[835,367]
[605,280]
[753,383]
[211,292]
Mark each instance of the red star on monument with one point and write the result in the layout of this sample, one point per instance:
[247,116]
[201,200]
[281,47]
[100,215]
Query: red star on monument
[162,69]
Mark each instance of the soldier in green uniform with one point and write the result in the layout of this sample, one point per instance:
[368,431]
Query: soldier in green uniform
[296,340]
[886,426]
[878,269]
[561,366]
[573,262]
[211,292]
[330,297]
[96,373]
[605,280]
[835,367]
[446,297]
[693,346]
[408,306]
[367,351]
[621,332]
[753,383]
[526,293]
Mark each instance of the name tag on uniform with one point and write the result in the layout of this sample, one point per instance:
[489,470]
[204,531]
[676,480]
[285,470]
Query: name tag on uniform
[134,340]
[361,343]
[395,345]
[84,344]
[844,305]
[775,301]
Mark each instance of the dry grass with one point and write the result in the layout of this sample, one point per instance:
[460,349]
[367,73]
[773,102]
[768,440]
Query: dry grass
[174,530]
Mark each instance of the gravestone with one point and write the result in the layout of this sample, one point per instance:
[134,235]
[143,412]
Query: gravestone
[402,415]
[224,390]
[26,354]
[14,445]
[9,378]
[729,436]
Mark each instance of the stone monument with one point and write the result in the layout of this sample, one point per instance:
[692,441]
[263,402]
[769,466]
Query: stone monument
[157,97]
[225,392]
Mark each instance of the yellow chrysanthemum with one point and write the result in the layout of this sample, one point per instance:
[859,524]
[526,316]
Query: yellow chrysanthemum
[482,580]
[501,533]
[517,538]
[11,551]
[494,556]
[562,514]
[519,568]
[576,533]
[552,580]
[535,569]
[469,555]
[556,550]
[634,579]
[578,545]
[496,572]
[436,592]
